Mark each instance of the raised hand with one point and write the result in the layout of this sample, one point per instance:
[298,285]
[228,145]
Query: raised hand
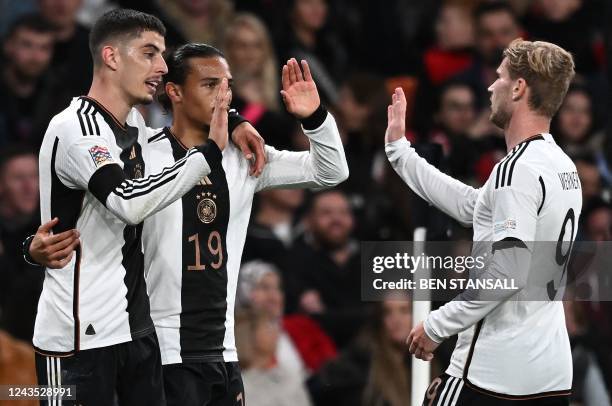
[218,123]
[396,117]
[53,250]
[299,90]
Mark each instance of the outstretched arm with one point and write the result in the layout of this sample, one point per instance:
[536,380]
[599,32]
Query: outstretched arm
[446,193]
[325,164]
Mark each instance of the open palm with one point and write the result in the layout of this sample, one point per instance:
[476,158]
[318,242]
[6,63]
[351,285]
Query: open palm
[299,90]
[396,116]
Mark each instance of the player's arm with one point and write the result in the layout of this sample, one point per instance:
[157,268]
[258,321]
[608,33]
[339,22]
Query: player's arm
[86,163]
[247,139]
[446,193]
[515,212]
[324,165]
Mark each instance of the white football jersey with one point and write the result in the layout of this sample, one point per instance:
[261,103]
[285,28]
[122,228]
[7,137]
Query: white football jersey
[194,246]
[92,178]
[519,348]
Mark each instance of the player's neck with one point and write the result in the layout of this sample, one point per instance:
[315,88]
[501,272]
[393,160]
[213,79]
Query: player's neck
[111,98]
[188,134]
[524,125]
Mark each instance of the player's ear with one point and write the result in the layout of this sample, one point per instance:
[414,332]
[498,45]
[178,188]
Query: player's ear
[110,56]
[174,92]
[519,89]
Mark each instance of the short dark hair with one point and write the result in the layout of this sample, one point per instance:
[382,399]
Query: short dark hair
[31,21]
[178,65]
[490,7]
[121,22]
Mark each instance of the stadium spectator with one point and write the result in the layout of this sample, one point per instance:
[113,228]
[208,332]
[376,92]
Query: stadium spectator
[375,369]
[590,178]
[302,346]
[266,383]
[271,231]
[361,112]
[195,20]
[496,26]
[28,49]
[20,283]
[324,266]
[597,220]
[574,125]
[71,57]
[308,36]
[250,53]
[588,387]
[452,52]
[573,25]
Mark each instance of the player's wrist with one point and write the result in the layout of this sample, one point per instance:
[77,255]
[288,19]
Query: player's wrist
[431,334]
[316,119]
[234,120]
[25,248]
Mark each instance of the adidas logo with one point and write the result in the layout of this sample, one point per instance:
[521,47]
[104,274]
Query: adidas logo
[133,153]
[90,330]
[205,181]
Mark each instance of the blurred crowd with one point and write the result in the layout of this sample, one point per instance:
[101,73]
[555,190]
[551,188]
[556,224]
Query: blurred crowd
[303,332]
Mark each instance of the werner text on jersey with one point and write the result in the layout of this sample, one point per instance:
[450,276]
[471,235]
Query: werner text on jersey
[525,200]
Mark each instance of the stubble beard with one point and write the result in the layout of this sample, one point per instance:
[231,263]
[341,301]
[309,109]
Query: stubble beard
[500,117]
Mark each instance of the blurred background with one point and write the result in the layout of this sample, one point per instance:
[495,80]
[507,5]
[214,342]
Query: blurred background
[303,332]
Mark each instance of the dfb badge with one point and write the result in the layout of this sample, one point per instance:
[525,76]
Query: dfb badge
[207,208]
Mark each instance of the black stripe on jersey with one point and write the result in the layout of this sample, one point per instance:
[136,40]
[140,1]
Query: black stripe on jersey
[81,118]
[514,155]
[204,274]
[104,181]
[66,206]
[157,136]
[468,361]
[144,182]
[135,188]
[498,175]
[95,121]
[138,308]
[526,144]
[132,195]
[87,118]
[543,194]
[514,163]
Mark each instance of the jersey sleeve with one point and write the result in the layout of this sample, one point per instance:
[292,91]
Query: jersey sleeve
[86,163]
[446,193]
[515,204]
[323,166]
[78,158]
[511,261]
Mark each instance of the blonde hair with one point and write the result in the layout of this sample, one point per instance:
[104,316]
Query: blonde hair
[547,68]
[269,72]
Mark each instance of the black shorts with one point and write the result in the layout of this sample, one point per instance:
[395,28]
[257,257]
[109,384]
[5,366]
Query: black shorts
[446,390]
[126,374]
[204,384]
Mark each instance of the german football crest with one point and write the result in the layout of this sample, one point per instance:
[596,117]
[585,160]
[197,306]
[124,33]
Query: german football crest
[207,208]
